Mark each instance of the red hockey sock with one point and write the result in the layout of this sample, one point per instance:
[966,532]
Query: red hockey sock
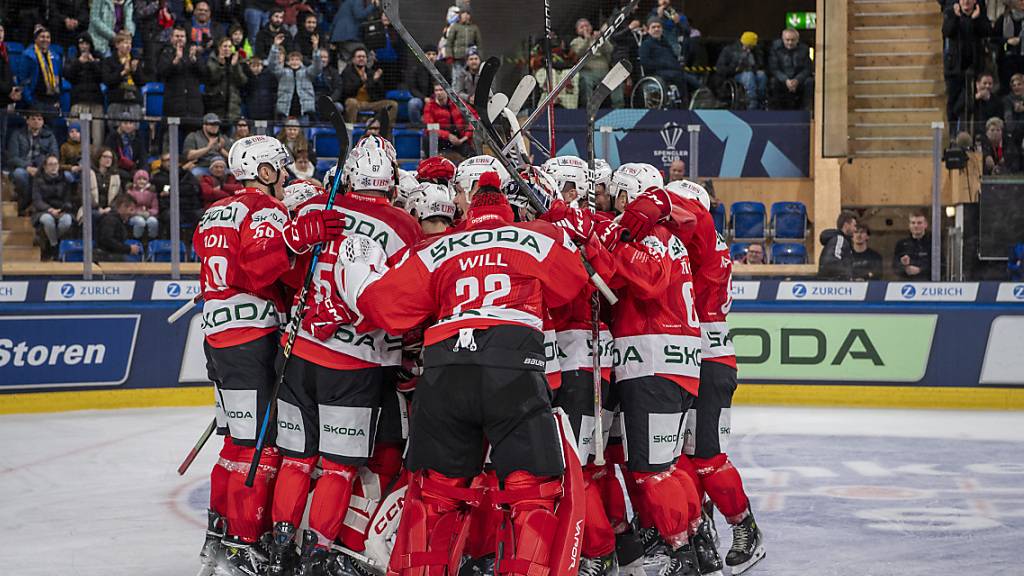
[247,508]
[614,500]
[386,462]
[724,486]
[484,519]
[220,476]
[330,499]
[684,467]
[598,536]
[292,489]
[672,503]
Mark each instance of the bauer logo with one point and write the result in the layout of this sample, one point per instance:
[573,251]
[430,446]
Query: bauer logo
[50,351]
[1008,292]
[931,291]
[171,290]
[13,291]
[835,291]
[83,291]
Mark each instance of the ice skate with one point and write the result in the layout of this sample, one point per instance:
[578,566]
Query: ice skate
[283,558]
[709,518]
[747,545]
[708,561]
[241,559]
[600,566]
[483,566]
[629,552]
[314,560]
[212,549]
[681,562]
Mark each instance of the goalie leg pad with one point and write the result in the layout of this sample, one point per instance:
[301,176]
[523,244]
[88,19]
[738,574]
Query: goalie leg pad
[672,504]
[598,536]
[526,547]
[291,491]
[330,498]
[724,486]
[485,518]
[247,508]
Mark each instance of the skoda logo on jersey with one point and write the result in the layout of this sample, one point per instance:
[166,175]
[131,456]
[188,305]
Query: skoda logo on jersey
[174,289]
[908,291]
[67,290]
[1018,292]
[799,290]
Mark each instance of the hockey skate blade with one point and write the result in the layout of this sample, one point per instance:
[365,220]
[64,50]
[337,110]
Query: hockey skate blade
[754,559]
[206,570]
[636,568]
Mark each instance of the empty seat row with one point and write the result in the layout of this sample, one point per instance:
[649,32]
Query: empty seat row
[157,251]
[778,252]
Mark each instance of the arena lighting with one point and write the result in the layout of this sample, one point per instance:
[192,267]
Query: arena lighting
[950,211]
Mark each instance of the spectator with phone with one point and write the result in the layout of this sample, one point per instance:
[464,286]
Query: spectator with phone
[190,201]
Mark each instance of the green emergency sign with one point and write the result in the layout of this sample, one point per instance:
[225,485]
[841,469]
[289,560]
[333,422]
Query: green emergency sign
[802,20]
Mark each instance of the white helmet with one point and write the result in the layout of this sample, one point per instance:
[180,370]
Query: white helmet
[469,171]
[329,175]
[634,178]
[542,183]
[407,182]
[247,154]
[372,170]
[380,143]
[691,190]
[299,192]
[572,169]
[602,172]
[429,200]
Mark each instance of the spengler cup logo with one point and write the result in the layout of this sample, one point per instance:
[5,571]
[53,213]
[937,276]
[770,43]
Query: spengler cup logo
[908,291]
[799,290]
[67,290]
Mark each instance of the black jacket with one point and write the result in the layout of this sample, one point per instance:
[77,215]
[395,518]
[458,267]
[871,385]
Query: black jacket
[792,64]
[62,9]
[260,94]
[189,197]
[734,59]
[1010,161]
[920,252]
[181,84]
[328,82]
[112,234]
[419,82]
[118,89]
[626,46]
[836,260]
[85,79]
[351,82]
[265,39]
[6,80]
[964,35]
[867,265]
[138,144]
[49,193]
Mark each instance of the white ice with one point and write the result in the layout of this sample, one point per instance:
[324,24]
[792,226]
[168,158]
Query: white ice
[837,492]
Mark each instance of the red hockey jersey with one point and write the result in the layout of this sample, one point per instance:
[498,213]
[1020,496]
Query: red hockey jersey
[240,243]
[712,282]
[395,230]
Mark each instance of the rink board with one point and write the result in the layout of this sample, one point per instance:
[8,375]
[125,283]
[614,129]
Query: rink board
[70,345]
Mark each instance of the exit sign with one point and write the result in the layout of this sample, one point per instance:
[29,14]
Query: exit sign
[802,20]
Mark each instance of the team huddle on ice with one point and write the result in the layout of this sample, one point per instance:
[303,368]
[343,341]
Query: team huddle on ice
[436,413]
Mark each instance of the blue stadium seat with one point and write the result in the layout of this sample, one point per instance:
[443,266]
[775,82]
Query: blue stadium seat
[718,215]
[788,253]
[789,220]
[357,134]
[748,220]
[134,257]
[409,165]
[153,98]
[160,251]
[70,251]
[738,250]
[402,97]
[323,165]
[192,256]
[407,143]
[325,142]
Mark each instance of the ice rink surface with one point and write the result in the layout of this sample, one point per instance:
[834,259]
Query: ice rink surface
[837,492]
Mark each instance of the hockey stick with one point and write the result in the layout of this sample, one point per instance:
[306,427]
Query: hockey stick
[174,317]
[198,446]
[549,77]
[390,7]
[610,27]
[328,109]
[521,94]
[495,105]
[488,71]
[610,83]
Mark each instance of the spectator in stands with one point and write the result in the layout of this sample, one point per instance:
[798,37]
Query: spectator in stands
[455,133]
[626,44]
[154,22]
[1009,29]
[346,26]
[658,58]
[123,77]
[68,20]
[205,144]
[202,30]
[963,28]
[460,37]
[182,72]
[190,201]
[85,74]
[10,92]
[836,260]
[1015,262]
[71,153]
[104,183]
[742,62]
[52,204]
[1013,108]
[273,33]
[295,95]
[294,139]
[362,90]
[260,90]
[225,79]
[243,129]
[672,22]
[791,73]
[983,105]
[328,81]
[304,37]
[597,66]
[1000,154]
[867,263]
[465,83]
[677,170]
[302,167]
[217,183]
[113,232]
[130,148]
[144,222]
[391,56]
[44,75]
[912,258]
[238,40]
[107,19]
[420,83]
[754,254]
[25,154]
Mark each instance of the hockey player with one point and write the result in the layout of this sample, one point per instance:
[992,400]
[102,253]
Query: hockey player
[708,422]
[601,178]
[407,182]
[433,206]
[657,369]
[572,177]
[333,388]
[488,282]
[243,242]
[468,174]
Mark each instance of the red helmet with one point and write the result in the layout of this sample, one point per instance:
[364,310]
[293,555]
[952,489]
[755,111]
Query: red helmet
[436,169]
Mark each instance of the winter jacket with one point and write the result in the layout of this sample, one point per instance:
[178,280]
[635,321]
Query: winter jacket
[213,189]
[656,54]
[448,117]
[792,64]
[36,86]
[920,252]
[224,83]
[181,84]
[1014,120]
[836,260]
[328,82]
[104,187]
[866,265]
[303,43]
[420,83]
[599,63]
[70,154]
[1007,161]
[61,10]
[85,79]
[465,85]
[122,160]
[351,14]
[50,192]
[963,35]
[101,22]
[982,110]
[265,41]
[734,59]
[112,233]
[16,154]
[351,82]
[1005,28]
[122,89]
[189,199]
[260,94]
[460,37]
[145,198]
[287,81]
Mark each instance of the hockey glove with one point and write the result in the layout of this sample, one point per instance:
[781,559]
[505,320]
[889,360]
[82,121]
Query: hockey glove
[313,228]
[577,223]
[323,318]
[608,233]
[652,206]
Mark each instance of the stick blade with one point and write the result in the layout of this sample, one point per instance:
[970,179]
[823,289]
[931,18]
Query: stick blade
[522,93]
[488,71]
[611,82]
[332,112]
[496,105]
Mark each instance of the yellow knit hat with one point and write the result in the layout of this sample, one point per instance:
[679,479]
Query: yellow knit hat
[748,38]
